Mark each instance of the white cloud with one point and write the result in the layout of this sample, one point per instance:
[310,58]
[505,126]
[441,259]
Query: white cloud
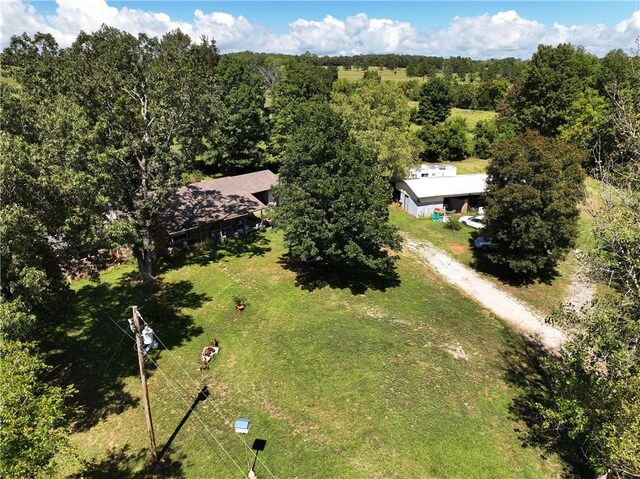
[502,34]
[235,33]
[357,34]
[17,17]
[88,15]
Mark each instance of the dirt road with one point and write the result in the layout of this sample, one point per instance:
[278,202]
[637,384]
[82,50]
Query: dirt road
[489,295]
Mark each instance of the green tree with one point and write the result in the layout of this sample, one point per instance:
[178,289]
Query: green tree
[299,81]
[151,102]
[238,140]
[378,117]
[34,420]
[463,96]
[448,141]
[589,121]
[411,89]
[487,132]
[484,136]
[333,201]
[594,396]
[533,190]
[371,76]
[491,93]
[616,71]
[553,79]
[434,105]
[52,209]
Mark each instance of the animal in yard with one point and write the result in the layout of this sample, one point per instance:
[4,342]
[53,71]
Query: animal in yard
[208,353]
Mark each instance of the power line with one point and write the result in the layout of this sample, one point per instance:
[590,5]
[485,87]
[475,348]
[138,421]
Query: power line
[186,402]
[215,407]
[198,416]
[114,353]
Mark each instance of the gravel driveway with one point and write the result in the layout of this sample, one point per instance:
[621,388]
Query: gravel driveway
[529,322]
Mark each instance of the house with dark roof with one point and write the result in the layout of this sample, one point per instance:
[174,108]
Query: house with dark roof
[219,209]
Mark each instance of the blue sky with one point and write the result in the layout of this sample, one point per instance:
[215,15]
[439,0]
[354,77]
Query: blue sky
[424,14]
[479,29]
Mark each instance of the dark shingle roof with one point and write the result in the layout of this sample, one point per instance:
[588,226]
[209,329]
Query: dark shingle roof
[214,200]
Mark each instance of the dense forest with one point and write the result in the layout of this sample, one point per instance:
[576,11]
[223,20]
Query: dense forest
[117,123]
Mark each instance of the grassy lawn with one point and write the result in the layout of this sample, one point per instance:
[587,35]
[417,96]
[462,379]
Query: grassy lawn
[471,165]
[542,296]
[472,116]
[399,75]
[397,377]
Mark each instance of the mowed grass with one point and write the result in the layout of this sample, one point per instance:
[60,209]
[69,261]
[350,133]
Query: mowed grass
[408,380]
[400,74]
[543,295]
[472,116]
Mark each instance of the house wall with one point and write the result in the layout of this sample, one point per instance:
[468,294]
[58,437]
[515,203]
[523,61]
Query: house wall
[215,232]
[422,207]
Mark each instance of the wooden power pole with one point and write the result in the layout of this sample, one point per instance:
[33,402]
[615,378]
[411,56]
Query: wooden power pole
[143,380]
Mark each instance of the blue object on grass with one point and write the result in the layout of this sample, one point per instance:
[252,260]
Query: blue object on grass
[242,425]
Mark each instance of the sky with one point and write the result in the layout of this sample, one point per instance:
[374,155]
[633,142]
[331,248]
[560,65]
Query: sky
[478,29]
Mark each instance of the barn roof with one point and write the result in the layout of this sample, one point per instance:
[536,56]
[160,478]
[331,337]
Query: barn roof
[459,185]
[213,200]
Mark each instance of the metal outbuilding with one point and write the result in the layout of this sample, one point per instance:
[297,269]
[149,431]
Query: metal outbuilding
[420,196]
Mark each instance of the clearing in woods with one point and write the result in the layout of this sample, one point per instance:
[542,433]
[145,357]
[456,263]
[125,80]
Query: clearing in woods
[344,377]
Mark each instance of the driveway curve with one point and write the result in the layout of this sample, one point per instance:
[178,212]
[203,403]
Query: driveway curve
[501,303]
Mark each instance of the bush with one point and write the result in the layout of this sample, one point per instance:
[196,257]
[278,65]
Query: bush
[452,225]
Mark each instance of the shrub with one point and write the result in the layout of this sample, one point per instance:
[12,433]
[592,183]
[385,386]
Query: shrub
[452,225]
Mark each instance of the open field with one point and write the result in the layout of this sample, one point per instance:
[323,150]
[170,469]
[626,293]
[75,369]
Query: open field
[344,377]
[472,116]
[471,165]
[399,75]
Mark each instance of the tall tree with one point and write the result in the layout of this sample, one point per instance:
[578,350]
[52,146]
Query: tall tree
[151,101]
[34,417]
[333,201]
[589,121]
[434,105]
[593,396]
[238,140]
[553,79]
[52,208]
[533,190]
[299,81]
[447,141]
[378,116]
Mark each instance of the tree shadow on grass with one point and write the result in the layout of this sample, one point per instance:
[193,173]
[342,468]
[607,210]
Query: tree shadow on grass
[523,369]
[96,356]
[482,263]
[317,275]
[121,463]
[253,244]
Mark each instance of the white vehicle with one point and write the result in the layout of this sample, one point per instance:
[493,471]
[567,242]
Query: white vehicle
[476,222]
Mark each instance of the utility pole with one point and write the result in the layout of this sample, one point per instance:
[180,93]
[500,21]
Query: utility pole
[145,394]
